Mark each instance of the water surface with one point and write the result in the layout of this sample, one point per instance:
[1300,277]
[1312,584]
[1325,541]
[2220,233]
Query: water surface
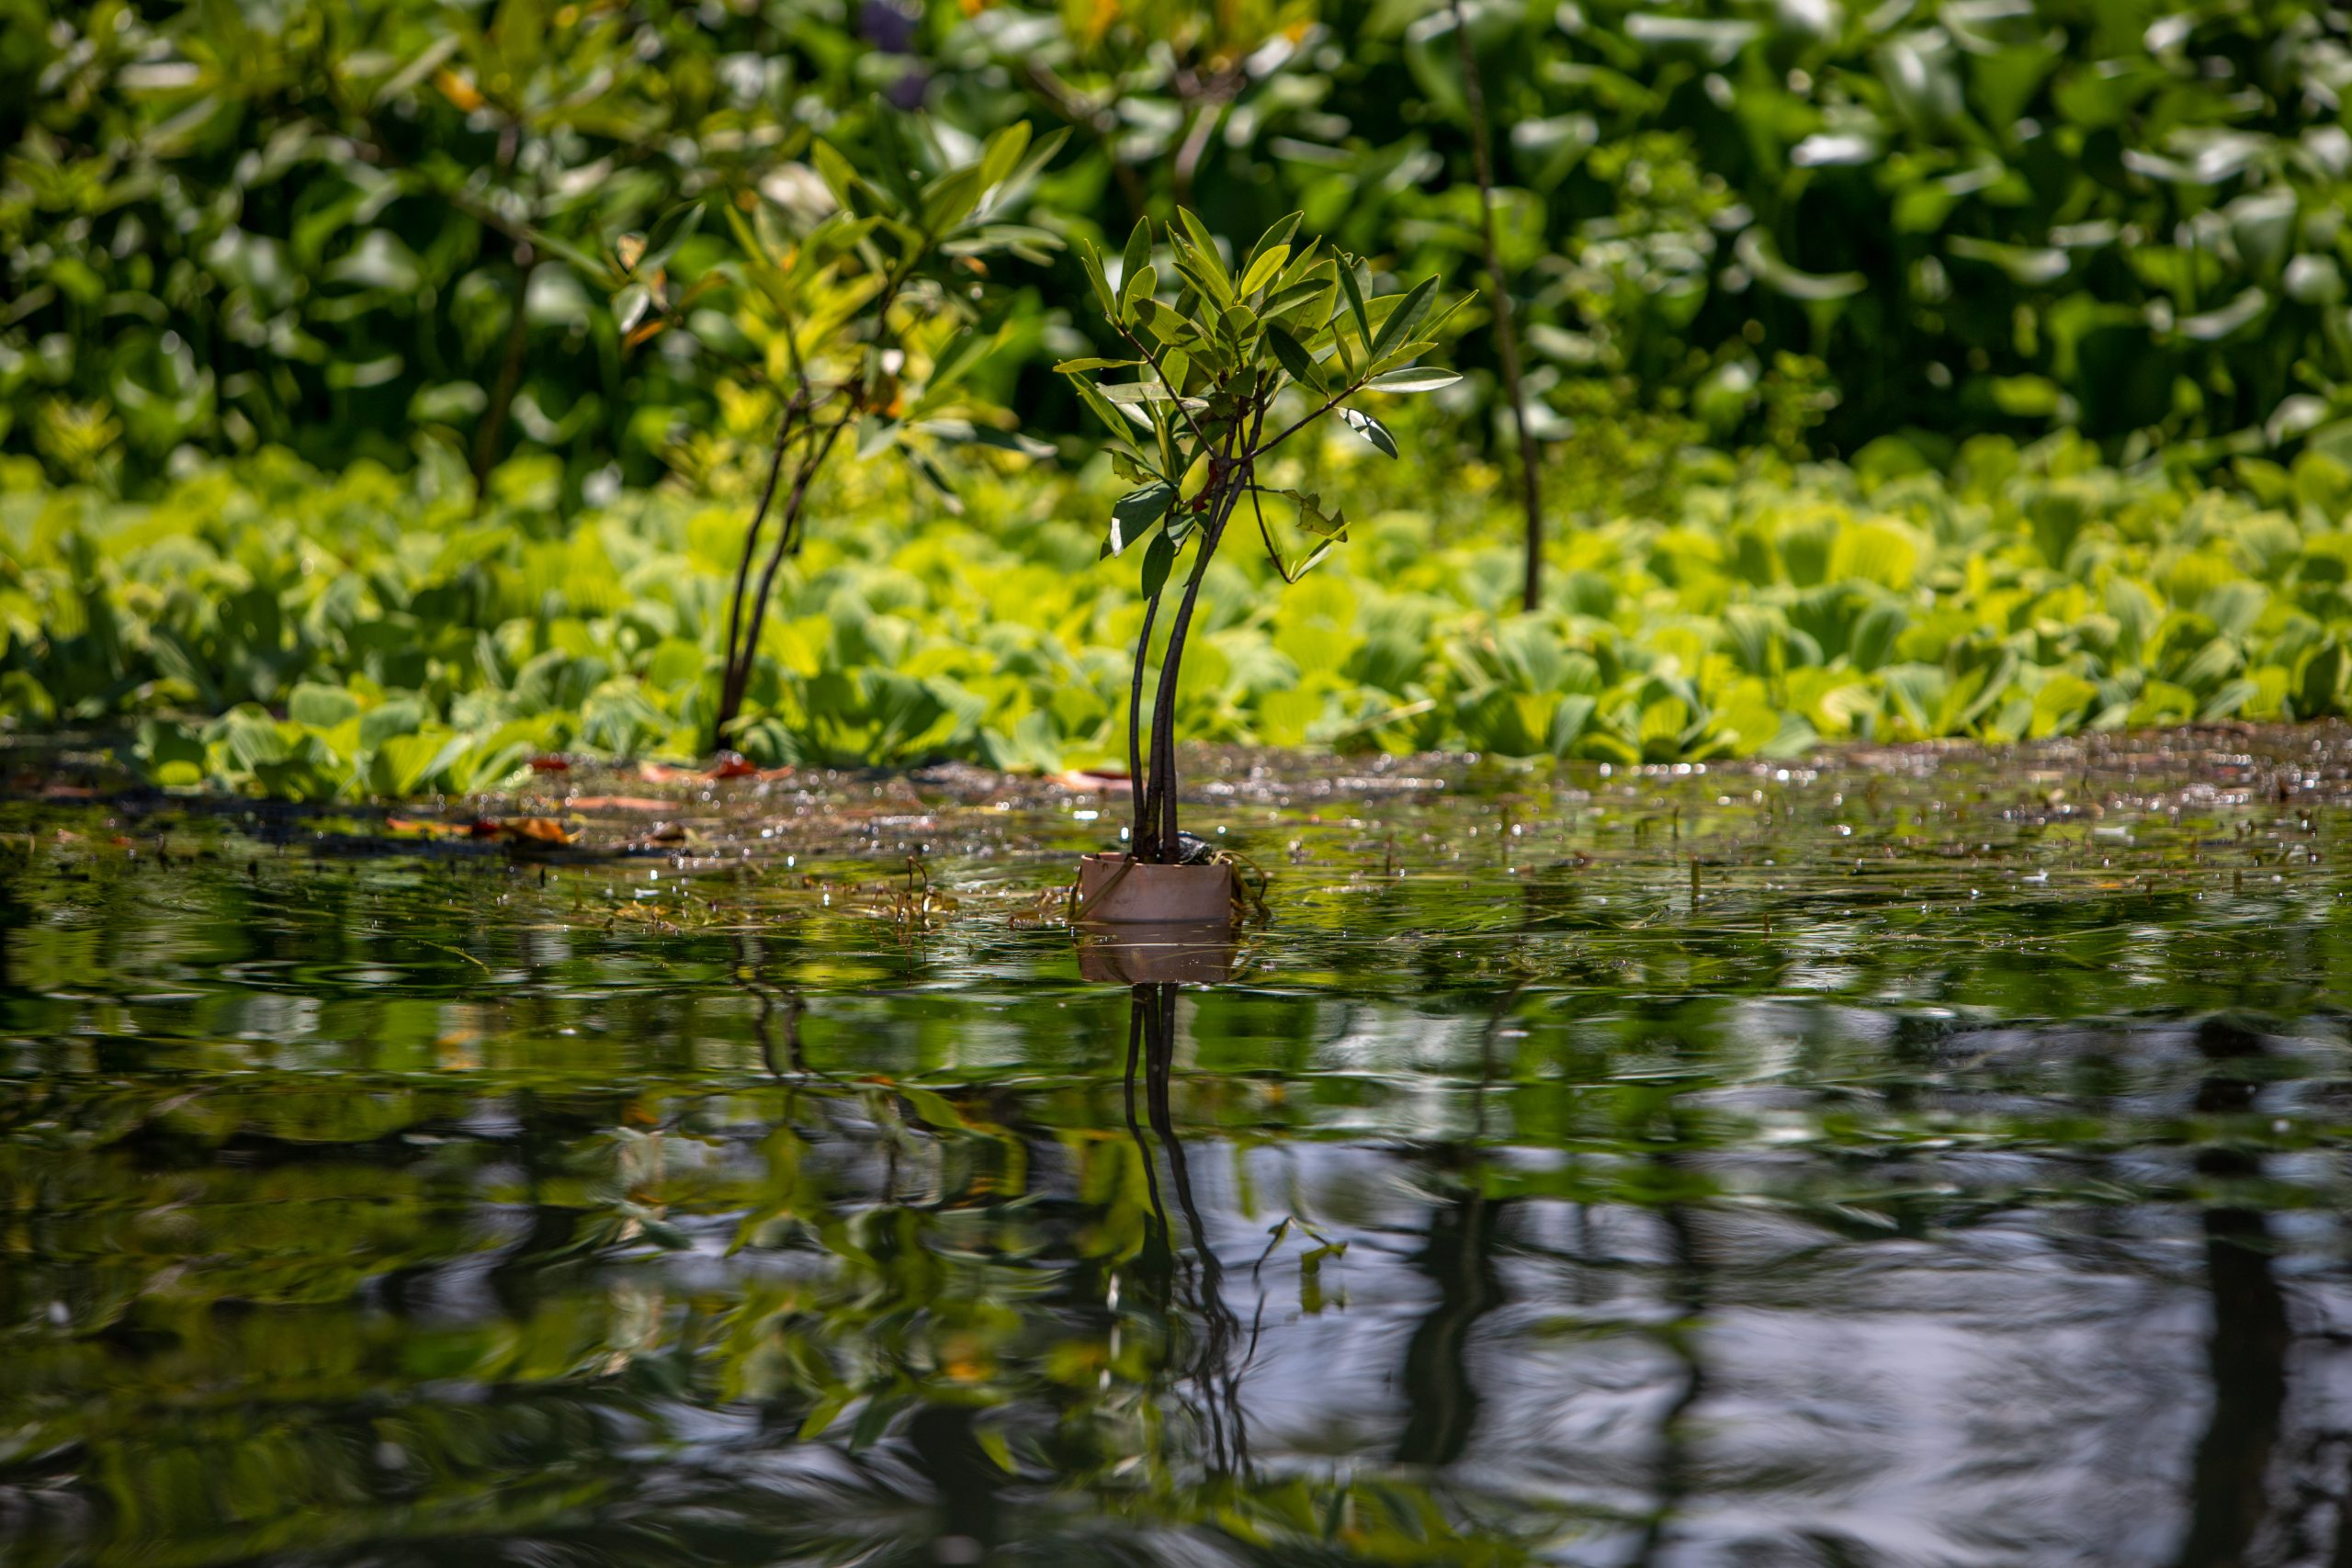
[1909,1163]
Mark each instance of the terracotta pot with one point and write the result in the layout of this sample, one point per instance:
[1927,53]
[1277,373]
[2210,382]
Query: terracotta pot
[1115,890]
[1195,955]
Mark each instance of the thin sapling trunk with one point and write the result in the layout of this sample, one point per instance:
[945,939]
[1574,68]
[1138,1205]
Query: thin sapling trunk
[510,374]
[1505,327]
[729,697]
[1281,317]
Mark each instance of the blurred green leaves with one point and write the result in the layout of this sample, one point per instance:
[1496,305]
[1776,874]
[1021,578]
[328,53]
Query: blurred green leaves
[347,229]
[267,629]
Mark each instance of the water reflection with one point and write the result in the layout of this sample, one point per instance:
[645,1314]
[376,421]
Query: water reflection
[2230,1478]
[1510,1197]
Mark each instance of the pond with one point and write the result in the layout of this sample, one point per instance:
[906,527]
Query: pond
[1911,1158]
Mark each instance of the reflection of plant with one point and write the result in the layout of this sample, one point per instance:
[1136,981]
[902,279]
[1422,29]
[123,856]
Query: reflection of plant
[1213,366]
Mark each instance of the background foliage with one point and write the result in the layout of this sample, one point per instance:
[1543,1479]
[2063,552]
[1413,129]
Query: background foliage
[272,628]
[1810,225]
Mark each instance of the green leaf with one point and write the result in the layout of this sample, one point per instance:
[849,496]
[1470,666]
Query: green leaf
[1140,393]
[1370,429]
[1166,322]
[1040,154]
[1401,320]
[1139,252]
[957,362]
[1205,246]
[1418,379]
[1092,260]
[672,231]
[950,198]
[1137,511]
[1003,153]
[1291,296]
[876,435]
[1309,260]
[1138,285]
[1401,357]
[1071,366]
[1104,409]
[1293,356]
[630,304]
[835,171]
[1355,297]
[824,1413]
[1262,270]
[1312,517]
[1159,561]
[1276,236]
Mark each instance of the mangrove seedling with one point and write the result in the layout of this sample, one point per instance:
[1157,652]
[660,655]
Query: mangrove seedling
[1230,364]
[858,299]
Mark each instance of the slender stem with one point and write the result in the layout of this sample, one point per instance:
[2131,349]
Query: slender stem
[786,533]
[1350,390]
[1505,327]
[1153,360]
[728,696]
[1163,718]
[1134,726]
[1162,801]
[510,373]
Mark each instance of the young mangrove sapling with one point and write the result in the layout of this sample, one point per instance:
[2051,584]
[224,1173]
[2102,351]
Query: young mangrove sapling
[859,301]
[1232,365]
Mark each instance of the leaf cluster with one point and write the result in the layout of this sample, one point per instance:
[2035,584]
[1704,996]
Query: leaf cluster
[1291,326]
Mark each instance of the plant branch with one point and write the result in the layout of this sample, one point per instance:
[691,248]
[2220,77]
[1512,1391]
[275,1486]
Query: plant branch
[1350,390]
[1175,393]
[736,678]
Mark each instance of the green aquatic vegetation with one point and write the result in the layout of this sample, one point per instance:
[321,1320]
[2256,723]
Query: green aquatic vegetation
[263,628]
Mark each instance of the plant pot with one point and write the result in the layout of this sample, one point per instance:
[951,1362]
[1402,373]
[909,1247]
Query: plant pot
[1114,889]
[1192,954]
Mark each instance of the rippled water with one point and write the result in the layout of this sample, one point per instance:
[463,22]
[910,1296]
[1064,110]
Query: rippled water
[1921,1166]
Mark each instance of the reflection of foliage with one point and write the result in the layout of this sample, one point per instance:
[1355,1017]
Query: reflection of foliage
[347,1238]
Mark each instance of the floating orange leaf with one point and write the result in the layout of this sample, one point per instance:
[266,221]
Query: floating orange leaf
[537,831]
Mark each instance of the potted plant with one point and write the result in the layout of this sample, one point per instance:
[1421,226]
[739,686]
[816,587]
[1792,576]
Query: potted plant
[1232,365]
